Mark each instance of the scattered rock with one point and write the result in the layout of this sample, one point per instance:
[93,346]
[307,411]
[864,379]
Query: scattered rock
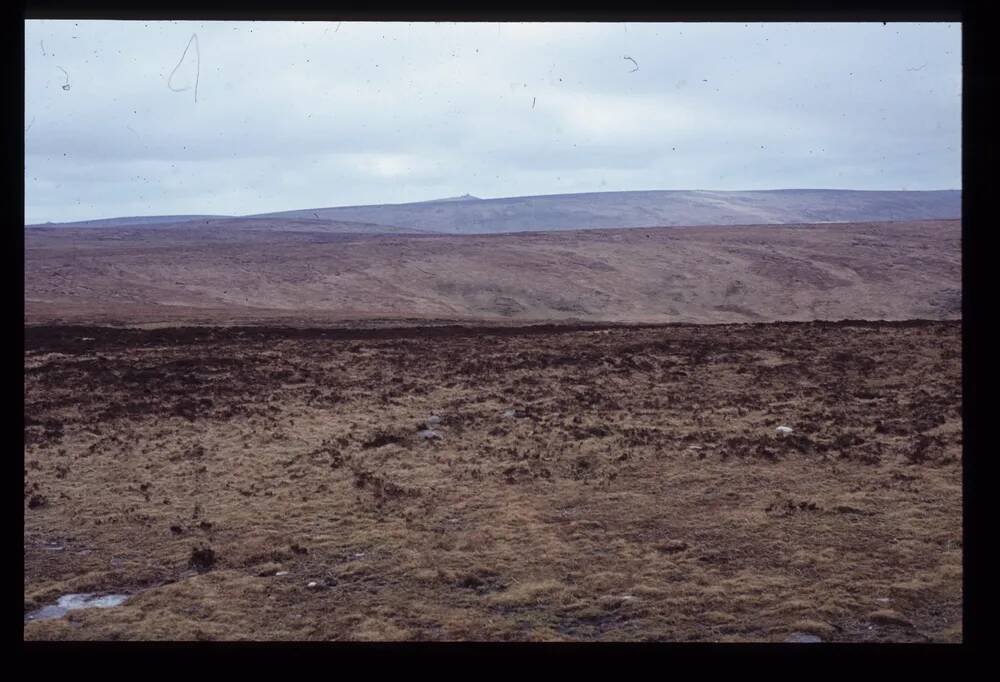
[36,501]
[784,429]
[429,434]
[281,573]
[433,421]
[312,585]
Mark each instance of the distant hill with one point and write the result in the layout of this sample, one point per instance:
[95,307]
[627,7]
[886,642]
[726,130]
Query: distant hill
[649,209]
[467,214]
[207,225]
[133,221]
[302,224]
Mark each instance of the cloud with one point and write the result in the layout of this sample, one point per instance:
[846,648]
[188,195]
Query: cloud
[300,114]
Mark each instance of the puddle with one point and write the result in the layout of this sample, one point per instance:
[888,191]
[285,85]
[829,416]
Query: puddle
[71,602]
[803,638]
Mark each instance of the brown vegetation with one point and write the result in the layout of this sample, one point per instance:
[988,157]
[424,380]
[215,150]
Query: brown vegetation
[201,275]
[588,484]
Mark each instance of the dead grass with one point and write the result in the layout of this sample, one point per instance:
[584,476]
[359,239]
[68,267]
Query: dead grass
[640,492]
[755,273]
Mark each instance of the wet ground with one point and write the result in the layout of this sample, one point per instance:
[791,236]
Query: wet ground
[582,483]
[72,602]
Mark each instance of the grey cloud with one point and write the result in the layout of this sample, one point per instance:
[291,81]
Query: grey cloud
[292,115]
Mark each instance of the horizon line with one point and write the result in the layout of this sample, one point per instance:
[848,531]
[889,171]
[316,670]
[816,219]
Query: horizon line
[460,198]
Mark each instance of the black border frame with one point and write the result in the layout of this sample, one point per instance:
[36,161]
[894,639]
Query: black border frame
[978,138]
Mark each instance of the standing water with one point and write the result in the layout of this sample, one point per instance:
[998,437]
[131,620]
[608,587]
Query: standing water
[71,602]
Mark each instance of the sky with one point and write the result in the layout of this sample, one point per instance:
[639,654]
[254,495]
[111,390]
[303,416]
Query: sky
[134,118]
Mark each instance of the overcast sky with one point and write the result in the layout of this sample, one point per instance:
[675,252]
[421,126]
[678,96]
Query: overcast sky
[290,115]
